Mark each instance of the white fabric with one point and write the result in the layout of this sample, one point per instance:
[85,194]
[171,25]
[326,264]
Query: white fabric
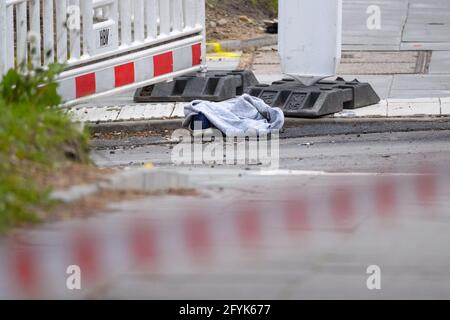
[238,116]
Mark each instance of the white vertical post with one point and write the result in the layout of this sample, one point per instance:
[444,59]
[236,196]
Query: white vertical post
[22,32]
[2,38]
[310,38]
[190,13]
[74,31]
[164,17]
[35,28]
[125,21]
[339,14]
[9,37]
[113,13]
[49,44]
[151,18]
[139,16]
[202,22]
[177,13]
[87,14]
[61,30]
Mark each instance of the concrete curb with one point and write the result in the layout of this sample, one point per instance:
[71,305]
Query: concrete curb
[152,116]
[135,126]
[159,125]
[237,45]
[143,180]
[299,128]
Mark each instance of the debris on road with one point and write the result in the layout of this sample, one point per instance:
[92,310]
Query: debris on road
[307,144]
[271,26]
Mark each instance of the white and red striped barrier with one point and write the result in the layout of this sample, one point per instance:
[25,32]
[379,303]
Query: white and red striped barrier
[107,46]
[132,71]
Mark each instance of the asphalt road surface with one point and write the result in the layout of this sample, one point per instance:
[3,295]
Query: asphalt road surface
[379,152]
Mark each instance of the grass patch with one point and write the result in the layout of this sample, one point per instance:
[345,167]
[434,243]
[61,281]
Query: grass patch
[35,137]
[268,4]
[265,5]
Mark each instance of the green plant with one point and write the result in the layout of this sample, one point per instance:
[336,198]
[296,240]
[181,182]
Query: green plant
[35,136]
[34,86]
[269,4]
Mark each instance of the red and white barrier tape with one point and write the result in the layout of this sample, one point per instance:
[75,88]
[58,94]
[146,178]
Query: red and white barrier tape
[34,262]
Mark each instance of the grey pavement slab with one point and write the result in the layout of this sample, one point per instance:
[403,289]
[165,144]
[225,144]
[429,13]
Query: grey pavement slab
[405,25]
[356,33]
[428,21]
[380,62]
[420,86]
[440,62]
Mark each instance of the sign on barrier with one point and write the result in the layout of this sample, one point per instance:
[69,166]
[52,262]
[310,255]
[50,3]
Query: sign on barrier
[108,46]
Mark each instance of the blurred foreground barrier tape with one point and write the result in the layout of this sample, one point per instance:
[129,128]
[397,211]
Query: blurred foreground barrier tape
[33,263]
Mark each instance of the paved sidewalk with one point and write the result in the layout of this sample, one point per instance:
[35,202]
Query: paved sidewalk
[390,108]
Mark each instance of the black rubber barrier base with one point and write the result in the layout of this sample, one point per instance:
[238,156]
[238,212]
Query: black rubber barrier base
[211,86]
[321,99]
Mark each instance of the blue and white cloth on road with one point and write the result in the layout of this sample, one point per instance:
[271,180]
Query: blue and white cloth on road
[238,116]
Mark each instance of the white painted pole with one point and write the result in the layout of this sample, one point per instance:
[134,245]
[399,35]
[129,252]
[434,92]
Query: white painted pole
[74,33]
[177,15]
[125,19]
[202,22]
[87,13]
[10,58]
[22,32]
[2,37]
[35,28]
[49,44]
[61,30]
[164,16]
[151,18]
[139,21]
[310,38]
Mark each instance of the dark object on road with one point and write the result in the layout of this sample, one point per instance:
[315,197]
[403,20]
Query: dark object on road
[271,26]
[213,86]
[200,122]
[321,99]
